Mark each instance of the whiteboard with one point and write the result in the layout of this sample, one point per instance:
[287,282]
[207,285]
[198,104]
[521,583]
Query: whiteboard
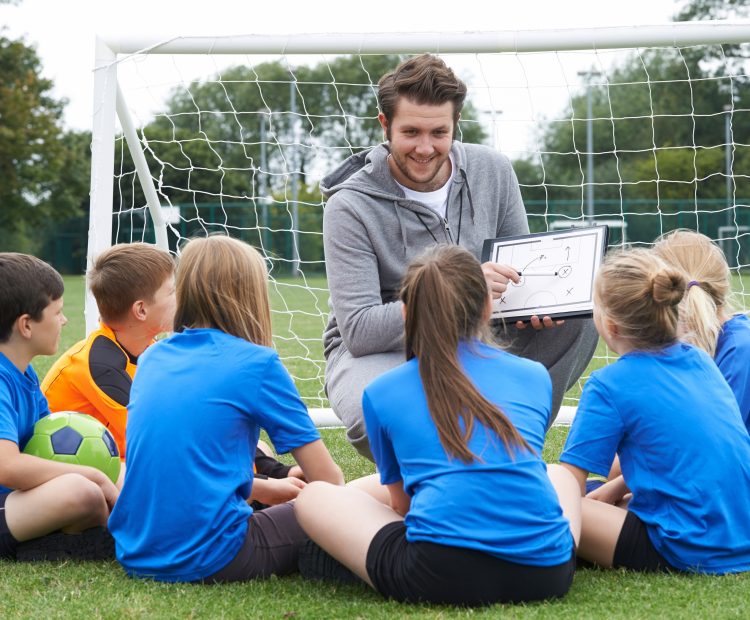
[556,271]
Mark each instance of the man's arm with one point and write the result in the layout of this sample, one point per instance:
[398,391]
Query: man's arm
[367,325]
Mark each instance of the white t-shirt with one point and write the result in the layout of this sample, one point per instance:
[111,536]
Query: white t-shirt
[437,200]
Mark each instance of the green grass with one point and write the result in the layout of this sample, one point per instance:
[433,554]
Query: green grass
[101,590]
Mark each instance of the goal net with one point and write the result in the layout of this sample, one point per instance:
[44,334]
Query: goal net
[645,129]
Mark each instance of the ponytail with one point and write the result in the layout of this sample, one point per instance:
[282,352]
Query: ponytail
[445,295]
[707,300]
[641,294]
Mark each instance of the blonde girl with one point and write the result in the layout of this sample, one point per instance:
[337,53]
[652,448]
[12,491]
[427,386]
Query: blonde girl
[198,403]
[665,409]
[707,318]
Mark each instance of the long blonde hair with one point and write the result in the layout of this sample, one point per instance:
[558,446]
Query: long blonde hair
[709,288]
[445,295]
[223,283]
[640,293]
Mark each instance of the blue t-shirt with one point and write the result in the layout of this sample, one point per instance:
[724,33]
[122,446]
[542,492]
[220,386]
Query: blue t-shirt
[733,359]
[684,452]
[503,505]
[197,405]
[22,404]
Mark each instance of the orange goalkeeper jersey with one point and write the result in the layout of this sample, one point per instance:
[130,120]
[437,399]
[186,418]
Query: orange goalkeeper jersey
[94,376]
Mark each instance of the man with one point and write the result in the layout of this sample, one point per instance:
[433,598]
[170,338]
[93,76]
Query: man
[389,203]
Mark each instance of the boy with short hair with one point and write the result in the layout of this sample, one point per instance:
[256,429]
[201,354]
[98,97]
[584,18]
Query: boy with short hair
[133,285]
[37,496]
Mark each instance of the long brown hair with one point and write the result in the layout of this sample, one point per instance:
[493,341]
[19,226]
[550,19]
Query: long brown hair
[640,293]
[223,283]
[445,295]
[708,296]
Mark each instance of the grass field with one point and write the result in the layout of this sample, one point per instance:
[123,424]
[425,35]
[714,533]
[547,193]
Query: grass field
[101,590]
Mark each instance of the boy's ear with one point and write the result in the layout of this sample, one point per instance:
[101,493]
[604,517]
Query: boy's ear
[23,324]
[138,310]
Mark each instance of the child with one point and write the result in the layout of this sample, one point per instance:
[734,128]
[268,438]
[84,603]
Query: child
[48,495]
[456,432]
[198,402]
[707,319]
[664,407]
[133,284]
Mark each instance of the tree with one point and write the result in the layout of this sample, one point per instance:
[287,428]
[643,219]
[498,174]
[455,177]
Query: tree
[33,155]
[204,151]
[659,135]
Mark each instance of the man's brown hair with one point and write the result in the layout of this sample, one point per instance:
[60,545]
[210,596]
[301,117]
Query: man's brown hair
[423,79]
[125,273]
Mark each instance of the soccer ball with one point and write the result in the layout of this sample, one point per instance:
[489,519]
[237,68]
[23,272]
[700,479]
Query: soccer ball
[76,438]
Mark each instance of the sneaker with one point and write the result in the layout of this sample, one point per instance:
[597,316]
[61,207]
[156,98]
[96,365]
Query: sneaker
[95,543]
[315,564]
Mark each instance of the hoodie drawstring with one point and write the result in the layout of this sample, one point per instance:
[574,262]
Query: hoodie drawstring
[400,225]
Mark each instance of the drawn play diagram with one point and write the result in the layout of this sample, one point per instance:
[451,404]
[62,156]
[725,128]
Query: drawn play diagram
[556,272]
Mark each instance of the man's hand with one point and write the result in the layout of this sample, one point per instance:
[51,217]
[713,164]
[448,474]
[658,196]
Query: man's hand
[498,276]
[272,491]
[545,323]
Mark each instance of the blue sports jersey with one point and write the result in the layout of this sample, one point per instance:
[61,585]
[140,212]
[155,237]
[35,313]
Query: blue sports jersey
[684,452]
[503,505]
[197,405]
[22,404]
[733,359]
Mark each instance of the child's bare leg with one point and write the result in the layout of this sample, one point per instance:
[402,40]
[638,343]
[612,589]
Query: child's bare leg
[121,477]
[601,527]
[69,502]
[371,485]
[343,521]
[569,495]
[265,448]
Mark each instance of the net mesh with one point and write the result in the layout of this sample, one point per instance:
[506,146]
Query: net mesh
[644,139]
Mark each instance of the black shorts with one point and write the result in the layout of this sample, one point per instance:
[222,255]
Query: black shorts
[635,551]
[271,547]
[423,572]
[8,544]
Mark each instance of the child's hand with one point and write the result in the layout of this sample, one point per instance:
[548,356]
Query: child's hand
[610,492]
[272,491]
[296,472]
[108,488]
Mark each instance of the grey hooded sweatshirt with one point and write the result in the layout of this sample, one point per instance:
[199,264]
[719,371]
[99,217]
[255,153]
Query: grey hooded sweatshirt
[371,233]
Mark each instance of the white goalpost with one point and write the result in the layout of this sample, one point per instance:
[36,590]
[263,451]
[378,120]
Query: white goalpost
[642,128]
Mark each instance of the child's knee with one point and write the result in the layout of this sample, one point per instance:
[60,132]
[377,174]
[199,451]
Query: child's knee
[80,497]
[311,498]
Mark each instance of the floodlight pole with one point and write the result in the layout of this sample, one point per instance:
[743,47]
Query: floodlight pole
[728,160]
[262,191]
[295,180]
[588,75]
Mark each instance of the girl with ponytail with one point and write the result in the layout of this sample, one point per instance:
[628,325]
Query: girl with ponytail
[707,318]
[665,409]
[471,515]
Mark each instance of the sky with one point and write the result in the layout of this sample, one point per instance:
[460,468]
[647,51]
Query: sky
[64,31]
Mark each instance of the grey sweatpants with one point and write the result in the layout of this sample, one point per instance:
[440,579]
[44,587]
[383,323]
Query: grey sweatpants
[565,351]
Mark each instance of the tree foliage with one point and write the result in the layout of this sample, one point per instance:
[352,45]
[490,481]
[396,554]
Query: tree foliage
[659,134]
[36,161]
[249,132]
